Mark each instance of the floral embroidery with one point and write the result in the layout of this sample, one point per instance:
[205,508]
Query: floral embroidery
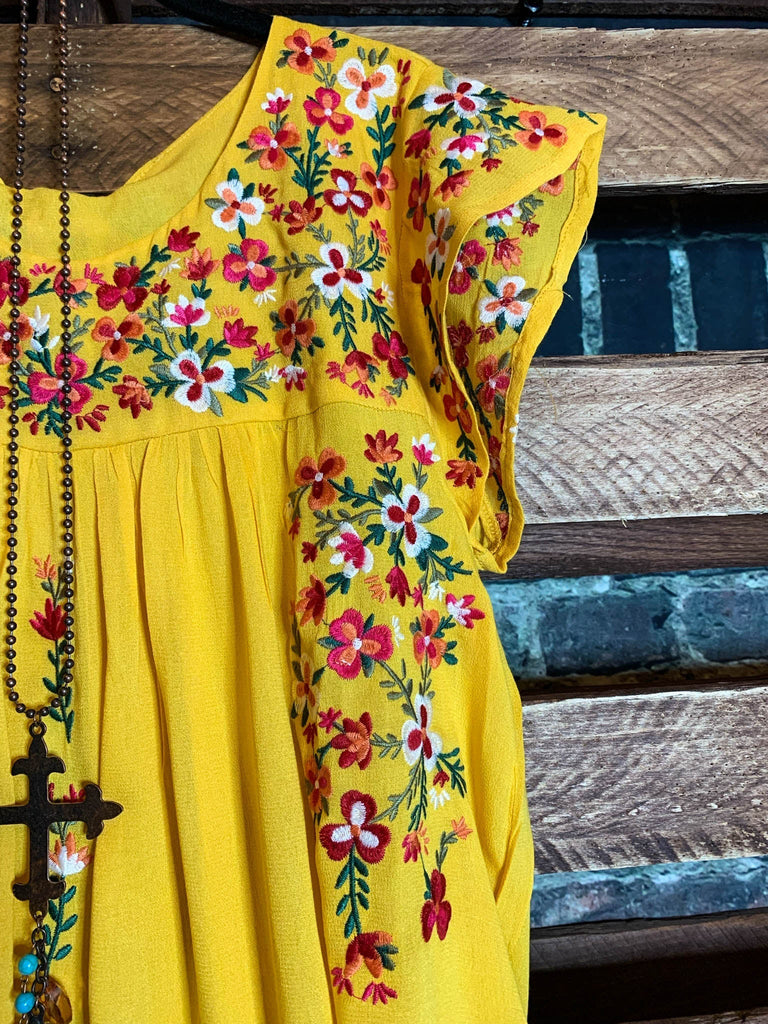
[69,855]
[385,526]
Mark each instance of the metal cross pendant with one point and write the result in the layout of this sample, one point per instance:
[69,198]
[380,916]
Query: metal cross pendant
[39,813]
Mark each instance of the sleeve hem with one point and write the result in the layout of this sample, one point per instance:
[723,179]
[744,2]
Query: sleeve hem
[493,549]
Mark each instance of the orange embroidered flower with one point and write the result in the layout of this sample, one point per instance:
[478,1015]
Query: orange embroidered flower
[453,185]
[507,251]
[133,395]
[112,336]
[67,859]
[461,828]
[418,197]
[378,184]
[320,784]
[311,604]
[26,333]
[318,475]
[199,265]
[415,843]
[456,408]
[270,146]
[425,642]
[463,472]
[304,52]
[296,333]
[355,742]
[382,448]
[496,381]
[302,214]
[537,130]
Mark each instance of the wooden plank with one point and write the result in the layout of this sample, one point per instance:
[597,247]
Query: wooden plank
[677,544]
[631,779]
[695,970]
[699,127]
[643,437]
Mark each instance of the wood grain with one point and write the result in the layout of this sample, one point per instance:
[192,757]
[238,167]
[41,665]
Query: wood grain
[619,781]
[695,970]
[679,116]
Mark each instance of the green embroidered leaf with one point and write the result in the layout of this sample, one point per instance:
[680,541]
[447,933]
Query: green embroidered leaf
[342,905]
[363,899]
[64,951]
[68,923]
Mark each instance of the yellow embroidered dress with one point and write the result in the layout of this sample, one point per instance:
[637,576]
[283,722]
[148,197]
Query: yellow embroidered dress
[301,335]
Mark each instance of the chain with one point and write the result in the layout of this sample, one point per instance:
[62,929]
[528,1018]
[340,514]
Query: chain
[66,387]
[34,1011]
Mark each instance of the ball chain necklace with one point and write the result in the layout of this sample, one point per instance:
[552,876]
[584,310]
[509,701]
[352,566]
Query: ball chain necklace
[39,813]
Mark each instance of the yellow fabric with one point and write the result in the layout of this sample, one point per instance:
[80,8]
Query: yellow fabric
[292,454]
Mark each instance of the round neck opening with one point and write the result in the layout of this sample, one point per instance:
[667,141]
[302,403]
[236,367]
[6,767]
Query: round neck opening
[156,193]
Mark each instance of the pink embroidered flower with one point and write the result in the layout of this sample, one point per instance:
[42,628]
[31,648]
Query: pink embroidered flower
[436,910]
[238,335]
[466,145]
[424,450]
[43,387]
[418,739]
[250,265]
[462,94]
[321,110]
[350,552]
[370,841]
[50,625]
[185,313]
[471,254]
[461,610]
[356,644]
[405,513]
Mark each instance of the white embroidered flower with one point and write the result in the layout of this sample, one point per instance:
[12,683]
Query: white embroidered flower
[365,86]
[460,93]
[231,208]
[436,244]
[418,738]
[513,428]
[506,302]
[507,216]
[386,293]
[396,631]
[336,275]
[405,513]
[39,324]
[435,591]
[350,551]
[439,796]
[198,383]
[67,859]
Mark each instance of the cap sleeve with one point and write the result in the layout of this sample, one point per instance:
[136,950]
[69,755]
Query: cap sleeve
[507,188]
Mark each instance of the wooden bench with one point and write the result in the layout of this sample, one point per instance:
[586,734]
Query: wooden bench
[667,458]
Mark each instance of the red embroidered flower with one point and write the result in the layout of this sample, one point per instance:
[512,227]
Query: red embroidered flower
[311,604]
[417,199]
[496,381]
[302,214]
[375,950]
[321,110]
[238,335]
[297,332]
[356,644]
[318,474]
[125,289]
[461,609]
[319,784]
[6,268]
[392,350]
[133,395]
[355,742]
[181,239]
[537,130]
[463,472]
[437,910]
[398,584]
[345,196]
[370,840]
[50,624]
[250,264]
[471,254]
[381,448]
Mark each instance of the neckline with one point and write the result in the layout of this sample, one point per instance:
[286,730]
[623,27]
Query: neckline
[106,226]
